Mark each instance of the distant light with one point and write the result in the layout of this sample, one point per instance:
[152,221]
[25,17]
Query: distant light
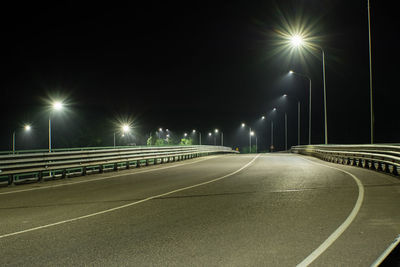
[274,109]
[296,40]
[216,131]
[167,130]
[291,72]
[58,105]
[194,131]
[125,128]
[160,130]
[185,134]
[251,133]
[167,135]
[209,134]
[285,95]
[27,127]
[243,124]
[263,117]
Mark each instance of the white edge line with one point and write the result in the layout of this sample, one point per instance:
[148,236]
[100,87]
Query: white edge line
[107,177]
[382,257]
[129,204]
[338,232]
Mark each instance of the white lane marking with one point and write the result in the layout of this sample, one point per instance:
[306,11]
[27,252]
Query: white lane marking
[382,257]
[129,204]
[339,231]
[107,177]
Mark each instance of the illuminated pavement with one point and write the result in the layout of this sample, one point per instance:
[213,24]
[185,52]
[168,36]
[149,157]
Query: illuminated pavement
[235,210]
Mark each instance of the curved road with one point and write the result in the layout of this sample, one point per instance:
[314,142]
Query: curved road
[232,210]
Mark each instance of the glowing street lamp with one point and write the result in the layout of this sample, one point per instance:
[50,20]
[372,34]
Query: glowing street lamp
[216,131]
[124,129]
[194,132]
[27,128]
[55,106]
[309,108]
[275,110]
[250,131]
[298,41]
[298,117]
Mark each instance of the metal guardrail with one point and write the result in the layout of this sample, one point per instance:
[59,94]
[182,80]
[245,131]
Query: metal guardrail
[38,166]
[385,158]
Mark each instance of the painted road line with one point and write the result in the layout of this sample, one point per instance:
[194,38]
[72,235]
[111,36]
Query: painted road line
[339,231]
[129,204]
[107,177]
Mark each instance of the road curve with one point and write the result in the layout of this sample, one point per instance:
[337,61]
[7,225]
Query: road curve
[234,210]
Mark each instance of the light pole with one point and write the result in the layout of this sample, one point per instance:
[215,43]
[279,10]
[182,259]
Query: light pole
[194,132]
[216,131]
[298,117]
[309,108]
[56,106]
[297,41]
[276,110]
[253,134]
[125,128]
[27,128]
[370,76]
[243,125]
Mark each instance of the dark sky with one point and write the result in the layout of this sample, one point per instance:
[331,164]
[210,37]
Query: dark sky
[194,65]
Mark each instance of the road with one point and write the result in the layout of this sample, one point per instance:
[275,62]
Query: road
[228,210]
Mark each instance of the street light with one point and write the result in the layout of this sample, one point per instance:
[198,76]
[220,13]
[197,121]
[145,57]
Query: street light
[297,41]
[222,136]
[55,106]
[276,110]
[298,117]
[252,133]
[244,125]
[27,128]
[309,108]
[194,132]
[124,128]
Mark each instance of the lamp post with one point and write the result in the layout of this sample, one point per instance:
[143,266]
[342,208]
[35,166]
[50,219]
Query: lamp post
[243,125]
[27,128]
[297,41]
[253,134]
[194,132]
[125,128]
[216,131]
[298,117]
[370,76]
[276,110]
[309,108]
[56,106]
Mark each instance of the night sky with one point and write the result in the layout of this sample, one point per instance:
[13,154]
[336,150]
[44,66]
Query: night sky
[185,66]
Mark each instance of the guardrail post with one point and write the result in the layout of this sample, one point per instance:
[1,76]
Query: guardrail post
[11,179]
[395,172]
[115,167]
[84,171]
[101,170]
[380,167]
[372,165]
[387,169]
[147,162]
[127,166]
[366,164]
[138,164]
[40,176]
[64,173]
[155,161]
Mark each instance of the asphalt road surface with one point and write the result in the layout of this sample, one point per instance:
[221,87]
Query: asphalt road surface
[230,210]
